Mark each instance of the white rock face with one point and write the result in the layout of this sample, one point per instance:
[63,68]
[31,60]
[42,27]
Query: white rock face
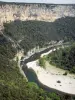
[43,12]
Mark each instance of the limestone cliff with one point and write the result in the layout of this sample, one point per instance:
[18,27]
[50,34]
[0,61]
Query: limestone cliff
[44,12]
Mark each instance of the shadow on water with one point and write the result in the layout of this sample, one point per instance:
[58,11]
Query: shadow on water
[32,77]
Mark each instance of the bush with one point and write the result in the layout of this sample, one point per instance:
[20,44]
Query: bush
[42,62]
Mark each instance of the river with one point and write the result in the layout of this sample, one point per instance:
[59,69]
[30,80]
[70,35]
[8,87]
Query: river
[30,74]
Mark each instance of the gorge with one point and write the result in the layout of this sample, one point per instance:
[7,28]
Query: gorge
[31,27]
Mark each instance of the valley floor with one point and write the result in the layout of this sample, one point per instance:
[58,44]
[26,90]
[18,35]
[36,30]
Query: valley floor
[53,77]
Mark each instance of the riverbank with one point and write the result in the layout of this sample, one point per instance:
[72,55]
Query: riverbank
[53,77]
[17,58]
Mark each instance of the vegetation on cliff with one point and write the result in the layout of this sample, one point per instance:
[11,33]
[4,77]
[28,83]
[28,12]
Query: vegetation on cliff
[32,33]
[63,58]
[28,34]
[13,86]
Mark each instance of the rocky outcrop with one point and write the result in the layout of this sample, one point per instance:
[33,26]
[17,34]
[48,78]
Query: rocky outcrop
[43,12]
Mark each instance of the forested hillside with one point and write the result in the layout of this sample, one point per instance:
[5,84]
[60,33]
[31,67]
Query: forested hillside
[28,34]
[24,26]
[13,86]
[63,58]
[32,33]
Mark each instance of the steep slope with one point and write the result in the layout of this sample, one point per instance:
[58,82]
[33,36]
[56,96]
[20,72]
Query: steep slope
[13,86]
[46,12]
[64,58]
[30,34]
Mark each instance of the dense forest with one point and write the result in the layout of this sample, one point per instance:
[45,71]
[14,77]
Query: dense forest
[63,58]
[37,33]
[28,34]
[13,86]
